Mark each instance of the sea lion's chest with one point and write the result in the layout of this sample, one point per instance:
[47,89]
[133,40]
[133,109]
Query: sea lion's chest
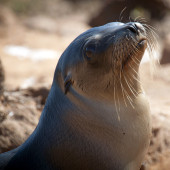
[97,133]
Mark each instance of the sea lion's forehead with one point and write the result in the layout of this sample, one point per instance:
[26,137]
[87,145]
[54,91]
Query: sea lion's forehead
[100,31]
[114,24]
[105,30]
[110,27]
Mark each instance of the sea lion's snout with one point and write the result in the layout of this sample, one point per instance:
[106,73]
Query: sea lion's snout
[136,28]
[139,32]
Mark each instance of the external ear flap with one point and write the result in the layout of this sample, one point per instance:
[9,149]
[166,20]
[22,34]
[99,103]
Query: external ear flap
[67,83]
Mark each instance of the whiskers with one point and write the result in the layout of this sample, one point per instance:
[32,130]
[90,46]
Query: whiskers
[152,37]
[127,85]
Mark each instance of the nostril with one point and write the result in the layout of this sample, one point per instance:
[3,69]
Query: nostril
[133,29]
[136,26]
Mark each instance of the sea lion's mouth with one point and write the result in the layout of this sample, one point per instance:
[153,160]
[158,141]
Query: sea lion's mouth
[142,43]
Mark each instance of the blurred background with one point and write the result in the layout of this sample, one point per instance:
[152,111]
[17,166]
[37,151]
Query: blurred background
[33,35]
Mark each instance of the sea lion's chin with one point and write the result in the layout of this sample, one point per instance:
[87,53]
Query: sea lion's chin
[136,57]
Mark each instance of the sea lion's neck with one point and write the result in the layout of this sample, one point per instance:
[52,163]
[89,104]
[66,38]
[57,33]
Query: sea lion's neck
[70,120]
[121,86]
[80,108]
[81,120]
[78,112]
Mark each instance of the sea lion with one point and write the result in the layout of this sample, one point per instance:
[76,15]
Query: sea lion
[96,116]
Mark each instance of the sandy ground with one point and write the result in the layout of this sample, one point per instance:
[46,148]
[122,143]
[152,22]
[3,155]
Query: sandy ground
[19,71]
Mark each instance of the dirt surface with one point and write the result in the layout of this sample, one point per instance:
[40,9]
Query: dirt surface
[157,88]
[20,107]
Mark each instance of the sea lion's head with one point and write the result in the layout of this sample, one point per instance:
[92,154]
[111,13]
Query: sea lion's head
[104,57]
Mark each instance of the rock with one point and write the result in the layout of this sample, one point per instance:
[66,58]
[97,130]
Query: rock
[157,88]
[41,93]
[158,156]
[19,116]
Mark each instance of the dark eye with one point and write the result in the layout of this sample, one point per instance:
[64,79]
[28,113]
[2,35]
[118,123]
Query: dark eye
[89,50]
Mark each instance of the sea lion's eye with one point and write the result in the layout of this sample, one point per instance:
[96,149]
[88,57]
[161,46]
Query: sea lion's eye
[89,51]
